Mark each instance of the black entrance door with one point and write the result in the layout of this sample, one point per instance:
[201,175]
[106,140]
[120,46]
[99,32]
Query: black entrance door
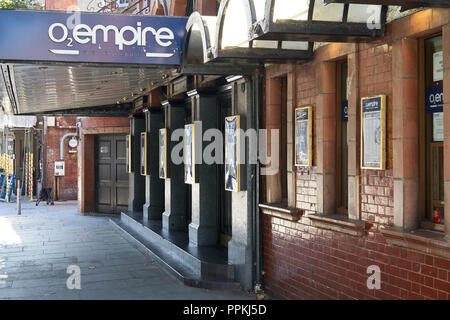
[111,177]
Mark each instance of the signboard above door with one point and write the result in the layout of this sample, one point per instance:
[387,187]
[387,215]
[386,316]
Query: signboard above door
[48,36]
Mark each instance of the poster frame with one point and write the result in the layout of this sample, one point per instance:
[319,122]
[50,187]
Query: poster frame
[309,139]
[192,125]
[143,145]
[238,153]
[382,150]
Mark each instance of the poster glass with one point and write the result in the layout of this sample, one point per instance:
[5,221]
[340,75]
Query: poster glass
[232,156]
[303,136]
[189,154]
[373,132]
[128,147]
[143,153]
[163,153]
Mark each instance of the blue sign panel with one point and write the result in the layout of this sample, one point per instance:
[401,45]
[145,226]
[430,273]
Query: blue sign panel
[434,99]
[344,110]
[88,37]
[372,104]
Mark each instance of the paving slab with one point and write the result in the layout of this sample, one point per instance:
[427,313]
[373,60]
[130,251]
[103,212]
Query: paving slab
[37,247]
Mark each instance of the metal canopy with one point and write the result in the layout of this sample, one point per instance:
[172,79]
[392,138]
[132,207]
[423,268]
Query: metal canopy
[312,20]
[45,88]
[224,43]
[52,61]
[403,3]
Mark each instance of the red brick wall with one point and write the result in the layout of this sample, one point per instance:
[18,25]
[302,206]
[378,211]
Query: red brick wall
[59,4]
[302,261]
[97,122]
[89,128]
[67,184]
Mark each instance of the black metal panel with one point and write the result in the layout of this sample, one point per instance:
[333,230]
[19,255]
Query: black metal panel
[405,3]
[115,110]
[318,31]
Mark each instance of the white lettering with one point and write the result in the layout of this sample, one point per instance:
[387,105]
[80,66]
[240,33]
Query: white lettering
[125,36]
[164,34]
[52,28]
[79,32]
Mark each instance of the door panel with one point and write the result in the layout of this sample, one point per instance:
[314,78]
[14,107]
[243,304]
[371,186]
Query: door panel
[110,174]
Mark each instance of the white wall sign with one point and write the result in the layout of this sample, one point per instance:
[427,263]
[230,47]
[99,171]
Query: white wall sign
[59,169]
[438,66]
[438,126]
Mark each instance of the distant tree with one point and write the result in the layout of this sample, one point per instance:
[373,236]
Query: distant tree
[20,4]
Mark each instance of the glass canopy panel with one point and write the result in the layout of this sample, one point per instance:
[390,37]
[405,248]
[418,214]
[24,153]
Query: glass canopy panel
[294,45]
[235,27]
[267,44]
[291,10]
[211,24]
[361,13]
[332,12]
[260,6]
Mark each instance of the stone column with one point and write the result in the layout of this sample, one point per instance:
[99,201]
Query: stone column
[203,230]
[137,182]
[174,216]
[154,186]
[405,132]
[353,136]
[326,137]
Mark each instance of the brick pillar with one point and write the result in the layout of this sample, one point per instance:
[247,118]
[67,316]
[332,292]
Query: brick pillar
[273,122]
[325,117]
[291,176]
[353,136]
[405,133]
[446,49]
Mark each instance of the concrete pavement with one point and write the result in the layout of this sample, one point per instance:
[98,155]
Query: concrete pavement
[37,247]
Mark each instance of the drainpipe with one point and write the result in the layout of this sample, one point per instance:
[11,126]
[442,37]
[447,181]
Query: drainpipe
[61,145]
[257,81]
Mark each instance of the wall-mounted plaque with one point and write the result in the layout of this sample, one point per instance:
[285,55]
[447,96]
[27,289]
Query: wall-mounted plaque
[373,132]
[232,154]
[128,147]
[303,136]
[189,153]
[143,153]
[163,153]
[59,169]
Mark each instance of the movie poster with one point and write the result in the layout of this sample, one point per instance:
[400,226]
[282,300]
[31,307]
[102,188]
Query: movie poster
[128,151]
[232,145]
[163,153]
[143,153]
[373,132]
[303,136]
[189,160]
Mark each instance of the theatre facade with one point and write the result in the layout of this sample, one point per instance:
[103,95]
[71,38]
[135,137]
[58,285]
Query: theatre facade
[344,99]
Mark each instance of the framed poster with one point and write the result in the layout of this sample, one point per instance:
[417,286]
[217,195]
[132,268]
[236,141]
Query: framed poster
[128,150]
[232,154]
[143,153]
[163,153]
[373,132]
[303,137]
[189,154]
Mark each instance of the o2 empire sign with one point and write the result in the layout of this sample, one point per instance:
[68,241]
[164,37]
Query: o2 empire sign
[42,36]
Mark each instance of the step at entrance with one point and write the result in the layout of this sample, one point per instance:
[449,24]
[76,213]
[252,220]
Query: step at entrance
[204,267]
